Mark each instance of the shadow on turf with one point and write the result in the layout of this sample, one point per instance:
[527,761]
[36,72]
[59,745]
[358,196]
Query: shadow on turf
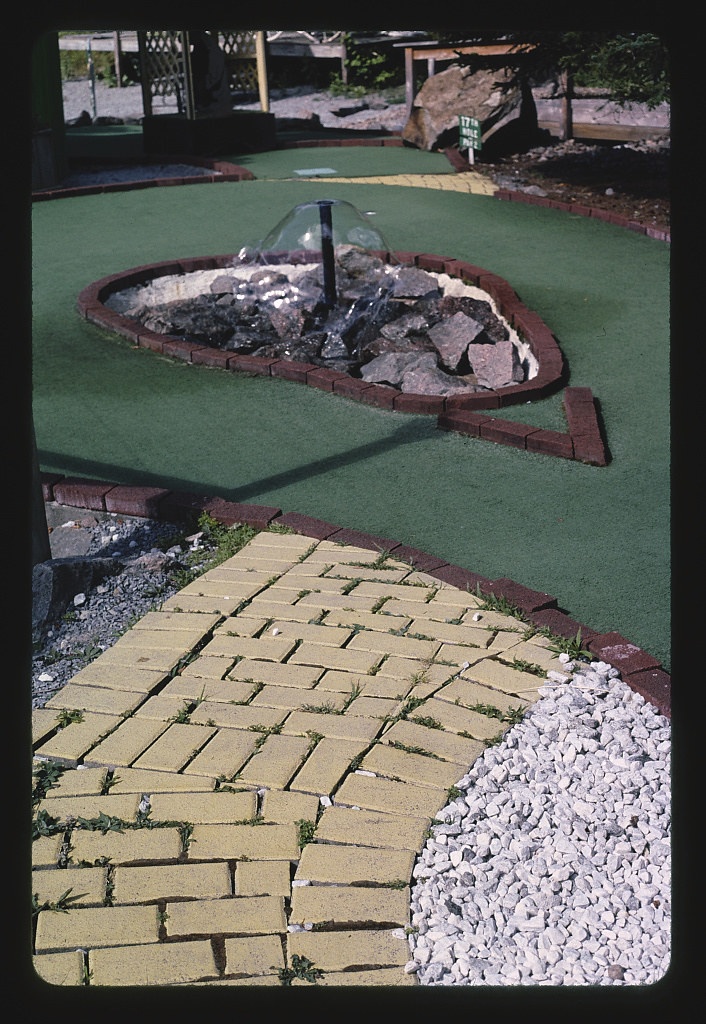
[408,433]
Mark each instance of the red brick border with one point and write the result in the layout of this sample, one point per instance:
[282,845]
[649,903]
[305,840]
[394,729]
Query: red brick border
[643,673]
[222,171]
[583,441]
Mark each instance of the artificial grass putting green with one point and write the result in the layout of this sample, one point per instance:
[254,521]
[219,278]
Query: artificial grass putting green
[595,538]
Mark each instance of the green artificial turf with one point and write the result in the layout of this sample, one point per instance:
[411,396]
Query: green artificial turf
[597,538]
[348,161]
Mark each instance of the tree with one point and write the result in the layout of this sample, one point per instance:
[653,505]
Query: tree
[633,66]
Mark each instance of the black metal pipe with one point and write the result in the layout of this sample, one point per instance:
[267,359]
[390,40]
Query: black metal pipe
[327,251]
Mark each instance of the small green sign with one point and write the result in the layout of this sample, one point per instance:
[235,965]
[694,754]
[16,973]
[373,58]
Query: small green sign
[468,132]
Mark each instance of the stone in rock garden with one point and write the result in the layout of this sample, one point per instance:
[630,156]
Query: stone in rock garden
[413,283]
[495,366]
[431,380]
[392,367]
[452,338]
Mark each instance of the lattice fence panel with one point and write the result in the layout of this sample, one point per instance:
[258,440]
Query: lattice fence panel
[163,65]
[241,60]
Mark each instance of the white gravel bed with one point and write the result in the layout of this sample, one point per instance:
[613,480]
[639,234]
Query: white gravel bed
[553,864]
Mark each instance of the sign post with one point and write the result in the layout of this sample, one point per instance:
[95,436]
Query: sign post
[469,136]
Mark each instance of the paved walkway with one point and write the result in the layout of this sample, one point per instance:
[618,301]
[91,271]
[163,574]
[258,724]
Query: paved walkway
[468,181]
[250,772]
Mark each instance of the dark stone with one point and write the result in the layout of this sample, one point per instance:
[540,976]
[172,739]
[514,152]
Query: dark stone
[452,338]
[56,582]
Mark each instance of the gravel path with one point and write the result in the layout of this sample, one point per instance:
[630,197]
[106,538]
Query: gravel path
[552,863]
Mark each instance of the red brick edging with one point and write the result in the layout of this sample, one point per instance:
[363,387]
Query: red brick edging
[222,171]
[643,673]
[583,441]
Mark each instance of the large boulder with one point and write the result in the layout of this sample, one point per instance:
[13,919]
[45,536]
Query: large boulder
[499,99]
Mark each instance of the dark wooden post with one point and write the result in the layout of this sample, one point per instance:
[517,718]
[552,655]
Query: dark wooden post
[566,121]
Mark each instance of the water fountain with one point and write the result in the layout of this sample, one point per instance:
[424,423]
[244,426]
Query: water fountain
[324,288]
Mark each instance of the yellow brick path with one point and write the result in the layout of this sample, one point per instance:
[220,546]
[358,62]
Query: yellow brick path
[467,181]
[254,768]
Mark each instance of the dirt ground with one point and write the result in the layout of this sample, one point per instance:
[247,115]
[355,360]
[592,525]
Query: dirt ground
[630,181]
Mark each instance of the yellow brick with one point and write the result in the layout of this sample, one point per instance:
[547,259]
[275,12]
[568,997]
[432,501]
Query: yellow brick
[91,927]
[535,653]
[444,744]
[399,646]
[329,635]
[274,672]
[132,846]
[199,808]
[46,851]
[347,950]
[126,743]
[494,620]
[91,805]
[145,780]
[43,725]
[346,602]
[202,604]
[205,668]
[374,707]
[290,697]
[502,677]
[415,768]
[354,865]
[233,591]
[236,842]
[350,906]
[162,707]
[129,656]
[79,782]
[177,620]
[451,633]
[118,677]
[464,692]
[377,794]
[363,572]
[224,755]
[178,640]
[201,688]
[369,620]
[252,957]
[399,591]
[333,657]
[413,672]
[169,963]
[342,727]
[326,765]
[236,625]
[175,747]
[378,829]
[87,886]
[236,716]
[99,699]
[73,742]
[460,655]
[458,719]
[276,761]
[60,968]
[372,686]
[265,648]
[171,881]
[263,878]
[240,915]
[285,807]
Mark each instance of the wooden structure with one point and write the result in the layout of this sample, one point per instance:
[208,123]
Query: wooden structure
[165,61]
[431,52]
